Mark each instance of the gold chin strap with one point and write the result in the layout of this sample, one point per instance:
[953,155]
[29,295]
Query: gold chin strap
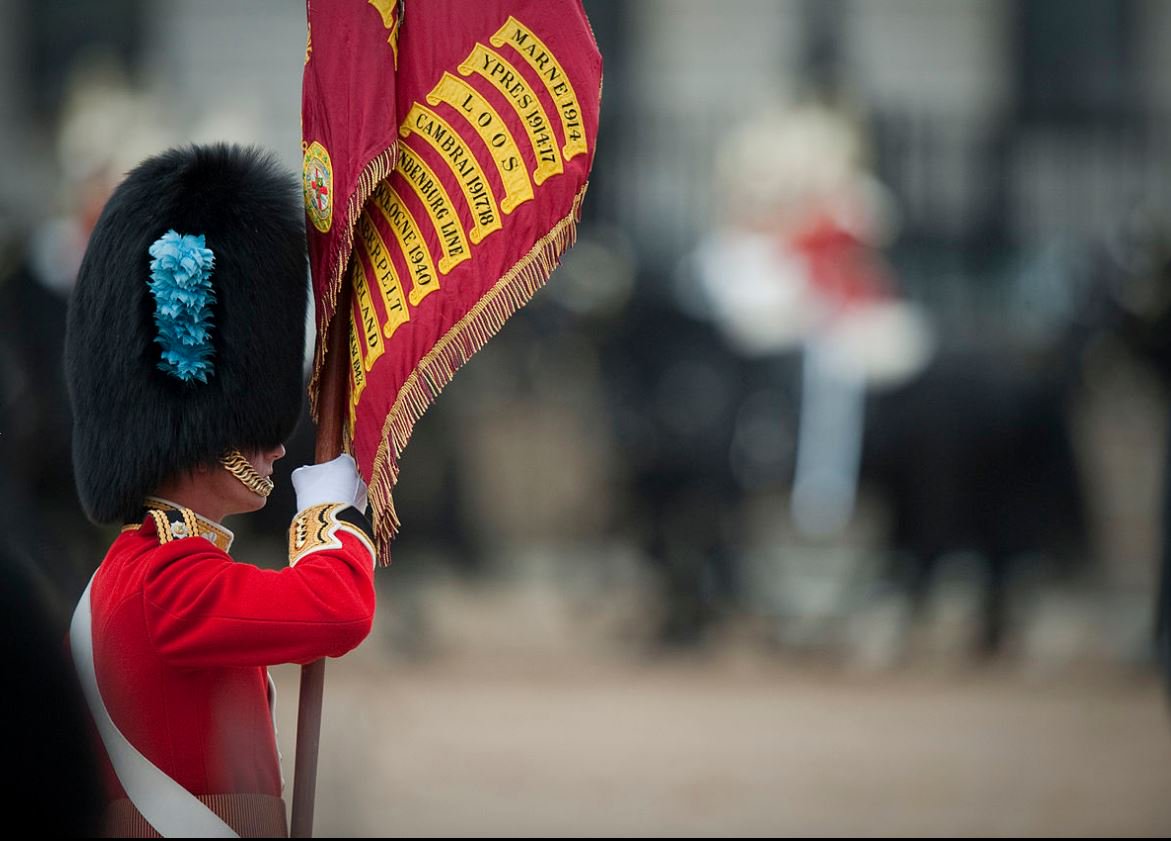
[242,469]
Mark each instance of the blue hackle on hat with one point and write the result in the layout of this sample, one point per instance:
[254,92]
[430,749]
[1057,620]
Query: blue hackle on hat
[181,284]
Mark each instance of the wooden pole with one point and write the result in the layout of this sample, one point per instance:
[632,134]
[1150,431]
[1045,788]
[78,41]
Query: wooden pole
[331,406]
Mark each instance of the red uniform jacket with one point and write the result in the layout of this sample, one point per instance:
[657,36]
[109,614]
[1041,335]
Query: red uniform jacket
[182,635]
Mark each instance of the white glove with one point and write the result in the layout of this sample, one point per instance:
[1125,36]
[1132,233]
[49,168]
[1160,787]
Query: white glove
[332,482]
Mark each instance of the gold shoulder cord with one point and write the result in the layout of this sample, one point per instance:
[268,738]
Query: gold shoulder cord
[162,526]
[238,466]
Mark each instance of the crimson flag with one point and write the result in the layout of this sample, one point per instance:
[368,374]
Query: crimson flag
[447,148]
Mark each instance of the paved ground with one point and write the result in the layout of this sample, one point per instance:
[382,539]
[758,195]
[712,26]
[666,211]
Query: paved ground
[476,744]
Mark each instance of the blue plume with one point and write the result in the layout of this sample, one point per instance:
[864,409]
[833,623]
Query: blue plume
[180,280]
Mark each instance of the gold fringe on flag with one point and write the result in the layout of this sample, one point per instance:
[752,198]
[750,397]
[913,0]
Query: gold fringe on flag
[379,168]
[458,345]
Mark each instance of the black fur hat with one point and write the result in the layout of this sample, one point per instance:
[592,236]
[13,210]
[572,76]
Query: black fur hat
[138,422]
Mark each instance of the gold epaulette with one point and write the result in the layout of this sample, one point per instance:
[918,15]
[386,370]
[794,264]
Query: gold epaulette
[317,528]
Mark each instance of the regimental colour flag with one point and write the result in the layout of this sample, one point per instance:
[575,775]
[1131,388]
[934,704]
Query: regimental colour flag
[447,149]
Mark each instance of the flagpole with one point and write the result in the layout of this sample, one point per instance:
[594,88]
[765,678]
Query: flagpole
[331,406]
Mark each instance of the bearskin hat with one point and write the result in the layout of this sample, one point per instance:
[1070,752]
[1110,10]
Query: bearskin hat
[186,328]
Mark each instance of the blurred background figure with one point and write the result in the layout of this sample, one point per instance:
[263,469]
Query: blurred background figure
[1134,305]
[852,397]
[103,128]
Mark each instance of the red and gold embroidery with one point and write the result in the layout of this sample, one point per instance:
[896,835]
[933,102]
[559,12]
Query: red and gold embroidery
[173,522]
[317,182]
[317,528]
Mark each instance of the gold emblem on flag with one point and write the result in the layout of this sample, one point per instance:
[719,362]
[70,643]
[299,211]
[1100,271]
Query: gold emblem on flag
[317,181]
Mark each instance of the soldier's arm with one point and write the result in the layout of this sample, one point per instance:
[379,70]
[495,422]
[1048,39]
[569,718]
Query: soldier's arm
[204,609]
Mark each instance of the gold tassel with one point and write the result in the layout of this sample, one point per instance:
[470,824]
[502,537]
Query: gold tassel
[435,370]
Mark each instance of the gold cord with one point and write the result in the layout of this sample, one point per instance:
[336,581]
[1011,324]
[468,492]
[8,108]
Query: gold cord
[242,469]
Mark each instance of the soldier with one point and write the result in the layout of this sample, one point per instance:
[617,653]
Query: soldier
[184,350]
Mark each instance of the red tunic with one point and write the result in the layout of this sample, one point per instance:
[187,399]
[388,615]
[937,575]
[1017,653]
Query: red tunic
[182,635]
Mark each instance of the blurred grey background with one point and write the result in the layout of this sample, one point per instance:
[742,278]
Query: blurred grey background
[824,488]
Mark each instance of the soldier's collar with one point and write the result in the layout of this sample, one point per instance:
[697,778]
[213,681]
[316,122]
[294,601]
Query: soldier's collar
[174,522]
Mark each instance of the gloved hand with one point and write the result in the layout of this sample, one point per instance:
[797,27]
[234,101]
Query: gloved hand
[336,481]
